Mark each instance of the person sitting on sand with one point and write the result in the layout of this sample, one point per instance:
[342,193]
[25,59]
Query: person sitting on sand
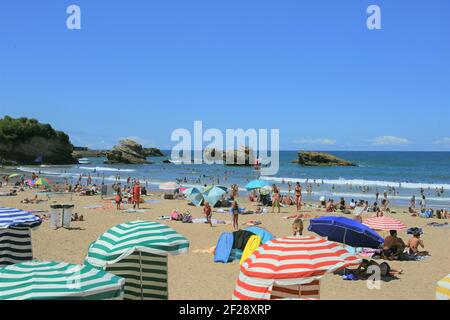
[76,217]
[414,244]
[297,227]
[208,213]
[384,206]
[330,206]
[364,270]
[393,246]
[342,206]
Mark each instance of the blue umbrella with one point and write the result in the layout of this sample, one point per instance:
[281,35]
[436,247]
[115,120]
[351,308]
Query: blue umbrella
[194,195]
[257,184]
[265,235]
[214,195]
[347,231]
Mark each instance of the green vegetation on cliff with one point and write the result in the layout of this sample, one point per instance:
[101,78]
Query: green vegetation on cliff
[22,140]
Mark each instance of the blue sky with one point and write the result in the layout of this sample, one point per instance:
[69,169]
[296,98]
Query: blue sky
[310,68]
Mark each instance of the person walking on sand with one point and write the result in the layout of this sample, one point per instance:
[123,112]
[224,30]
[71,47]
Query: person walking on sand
[208,213]
[298,196]
[136,195]
[275,198]
[235,212]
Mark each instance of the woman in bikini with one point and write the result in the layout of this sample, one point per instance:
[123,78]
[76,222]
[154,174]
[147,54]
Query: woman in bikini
[235,210]
[276,199]
[298,196]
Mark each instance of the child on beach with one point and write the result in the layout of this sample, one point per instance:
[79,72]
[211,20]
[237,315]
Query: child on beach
[235,210]
[297,227]
[208,213]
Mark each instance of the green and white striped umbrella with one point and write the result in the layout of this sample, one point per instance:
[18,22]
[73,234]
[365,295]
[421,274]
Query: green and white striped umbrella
[137,251]
[36,280]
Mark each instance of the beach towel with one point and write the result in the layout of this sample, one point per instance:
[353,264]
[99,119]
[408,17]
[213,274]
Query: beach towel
[135,211]
[252,245]
[437,224]
[414,230]
[223,248]
[252,223]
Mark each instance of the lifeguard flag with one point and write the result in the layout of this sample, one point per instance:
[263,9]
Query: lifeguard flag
[39,159]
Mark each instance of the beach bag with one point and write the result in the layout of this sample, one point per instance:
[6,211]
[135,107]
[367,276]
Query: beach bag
[187,218]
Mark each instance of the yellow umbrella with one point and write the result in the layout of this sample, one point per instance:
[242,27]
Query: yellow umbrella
[13,175]
[443,289]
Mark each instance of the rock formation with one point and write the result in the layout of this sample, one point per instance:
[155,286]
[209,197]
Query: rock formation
[307,158]
[127,152]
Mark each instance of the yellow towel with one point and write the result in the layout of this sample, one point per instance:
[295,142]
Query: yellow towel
[252,245]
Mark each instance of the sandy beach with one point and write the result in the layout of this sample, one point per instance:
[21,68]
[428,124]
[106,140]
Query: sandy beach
[196,276]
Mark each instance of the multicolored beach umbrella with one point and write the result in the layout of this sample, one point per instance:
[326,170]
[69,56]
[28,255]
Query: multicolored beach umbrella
[58,281]
[42,182]
[289,264]
[385,224]
[15,235]
[137,251]
[443,289]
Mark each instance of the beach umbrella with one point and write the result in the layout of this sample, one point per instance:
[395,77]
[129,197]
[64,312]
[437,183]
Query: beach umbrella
[384,223]
[11,217]
[214,195]
[29,182]
[194,195]
[347,231]
[13,175]
[137,251]
[265,190]
[265,235]
[169,186]
[290,263]
[58,281]
[15,235]
[443,289]
[257,184]
[42,182]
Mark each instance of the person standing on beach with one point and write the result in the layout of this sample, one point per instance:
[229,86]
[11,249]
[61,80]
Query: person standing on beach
[275,198]
[413,202]
[235,212]
[136,195]
[118,198]
[208,213]
[298,196]
[289,188]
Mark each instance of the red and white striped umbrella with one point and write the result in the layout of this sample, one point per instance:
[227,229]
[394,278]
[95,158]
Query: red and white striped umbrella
[287,262]
[384,223]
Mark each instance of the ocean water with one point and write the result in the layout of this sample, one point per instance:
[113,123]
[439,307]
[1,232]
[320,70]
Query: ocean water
[407,172]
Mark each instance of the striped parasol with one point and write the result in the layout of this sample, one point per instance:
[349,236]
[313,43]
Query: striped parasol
[384,223]
[138,252]
[58,281]
[15,235]
[169,186]
[443,289]
[10,217]
[287,262]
